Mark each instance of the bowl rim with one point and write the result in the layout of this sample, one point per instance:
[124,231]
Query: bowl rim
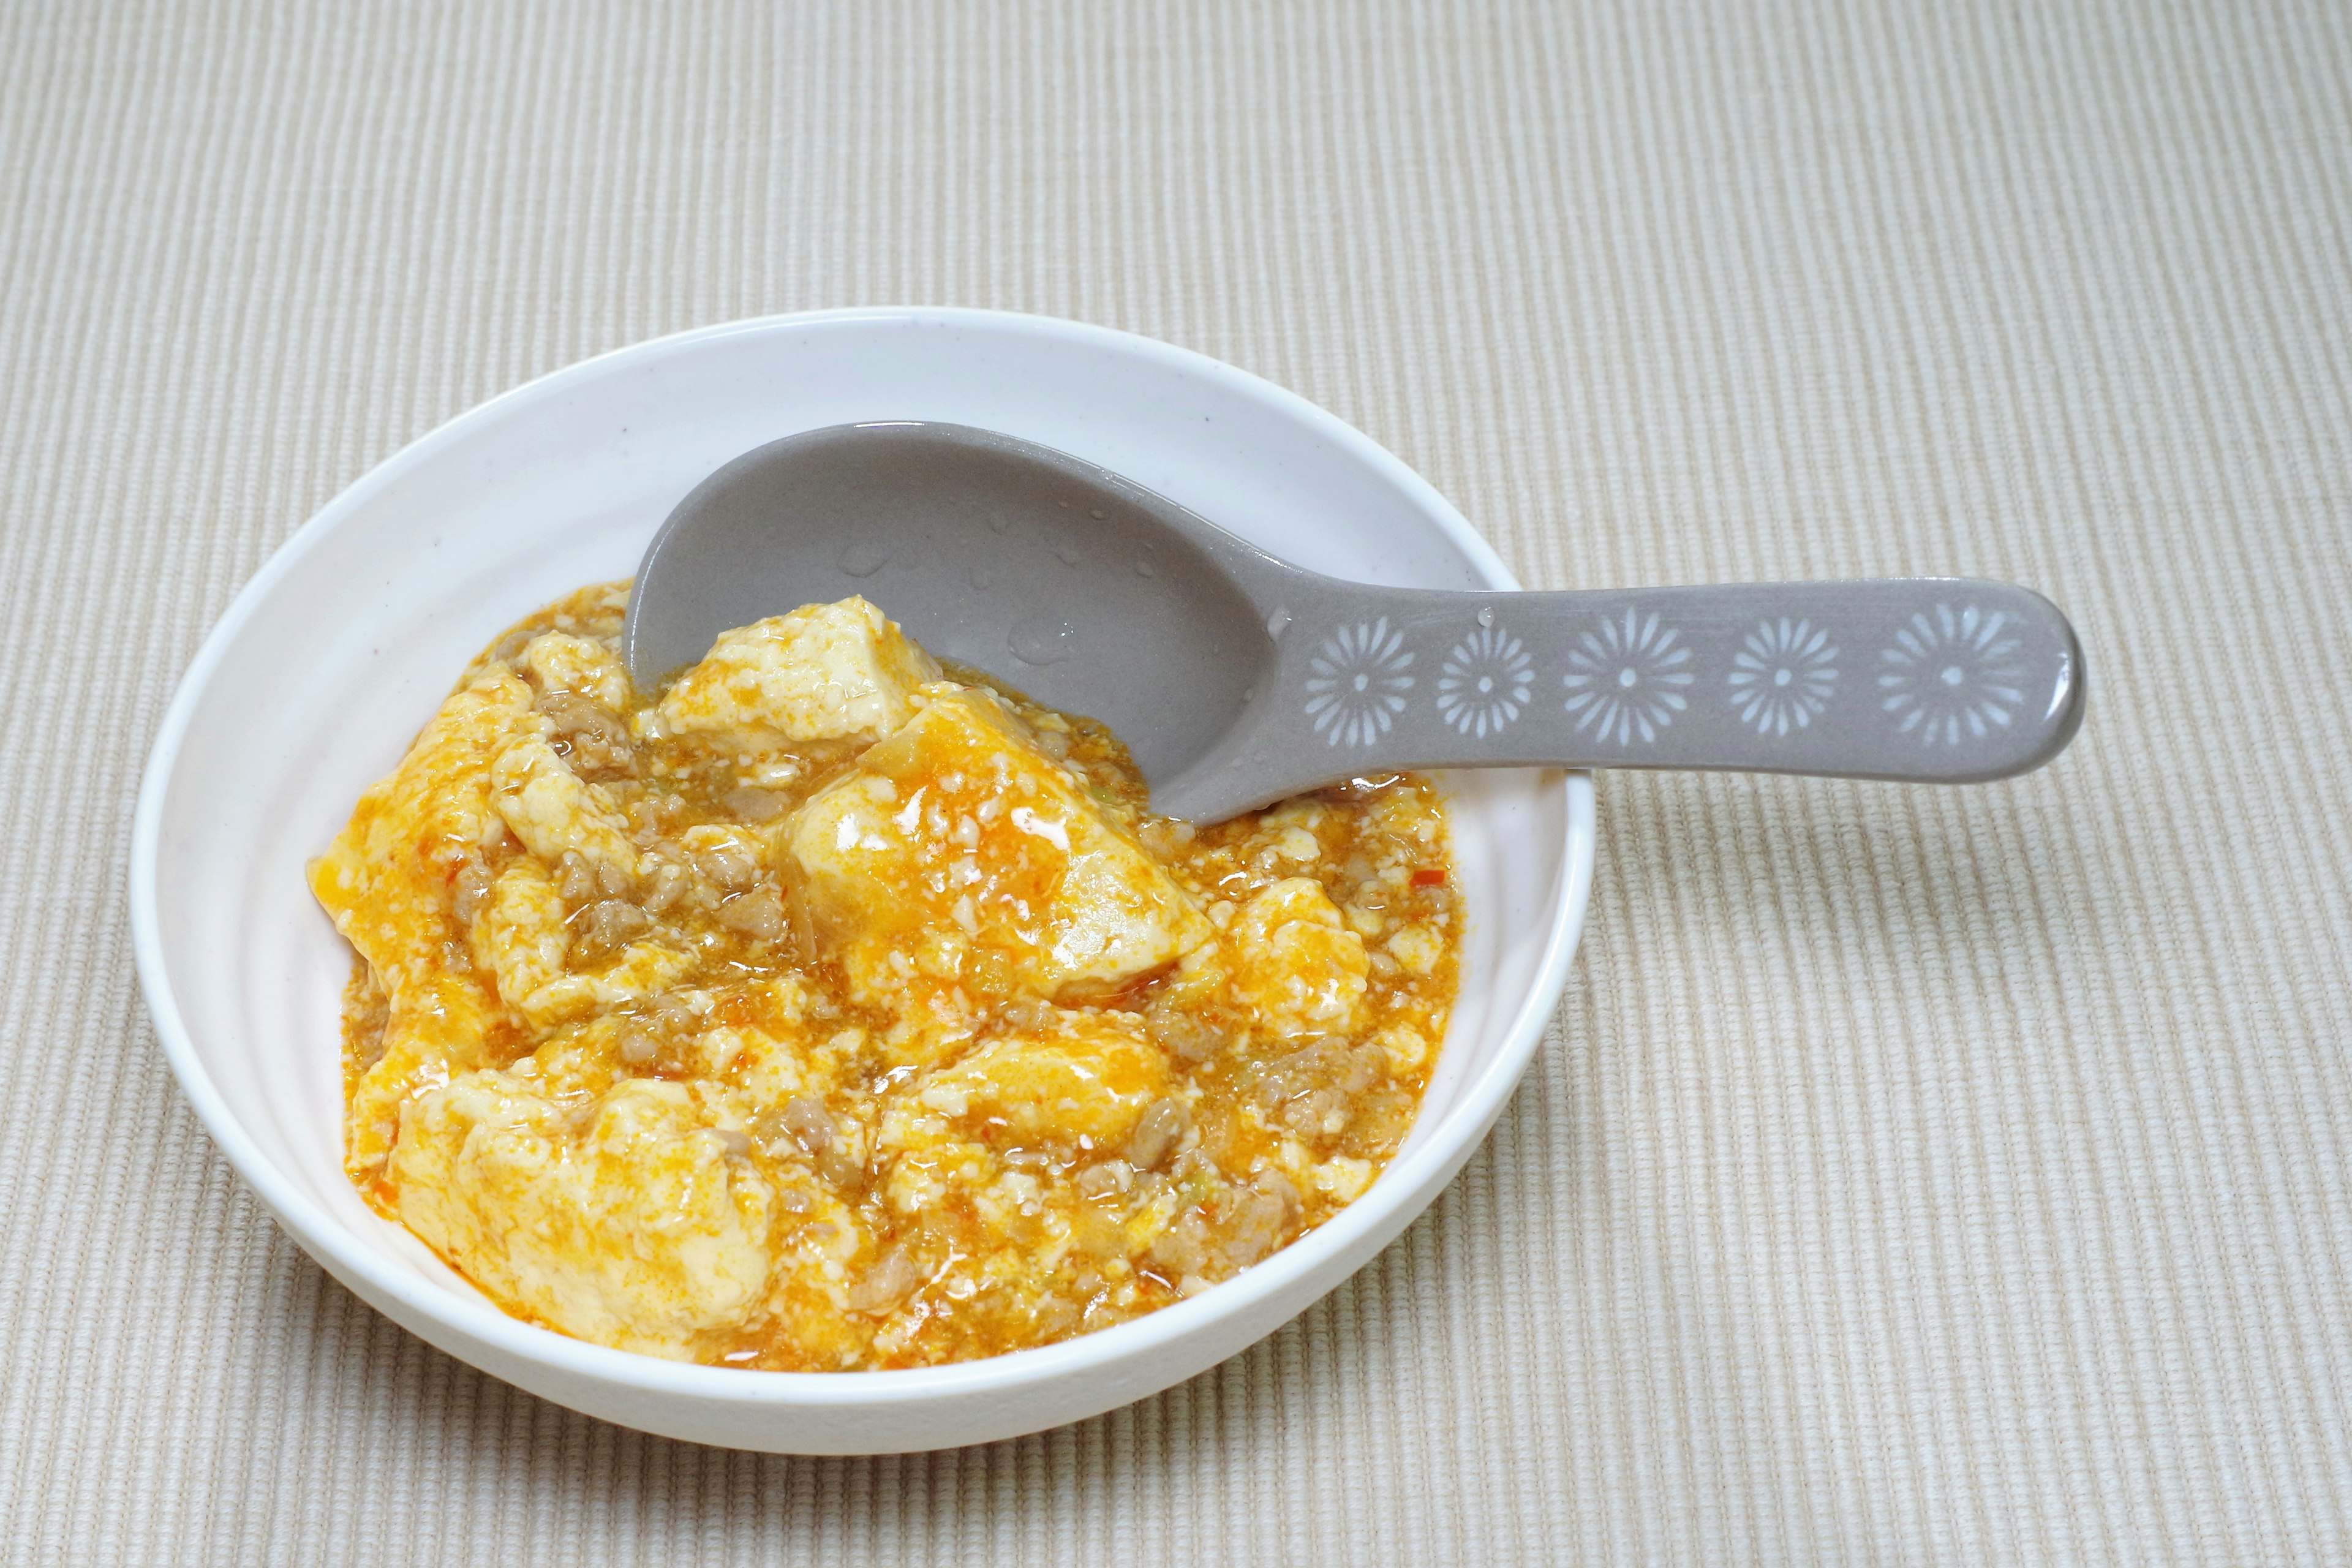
[329,1241]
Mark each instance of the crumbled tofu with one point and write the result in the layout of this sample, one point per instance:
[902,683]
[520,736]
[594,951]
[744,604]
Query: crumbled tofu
[437,1028]
[386,882]
[385,879]
[1071,1074]
[780,1056]
[1295,843]
[1343,1178]
[644,969]
[1416,948]
[639,1231]
[575,1063]
[1294,961]
[1405,1046]
[552,809]
[839,671]
[1043,896]
[558,661]
[520,936]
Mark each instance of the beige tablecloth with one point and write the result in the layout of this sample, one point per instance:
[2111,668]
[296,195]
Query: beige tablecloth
[1909,1176]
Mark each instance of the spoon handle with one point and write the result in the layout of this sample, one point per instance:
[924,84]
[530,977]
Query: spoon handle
[1936,680]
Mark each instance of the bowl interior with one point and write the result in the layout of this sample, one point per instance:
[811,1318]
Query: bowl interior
[318,677]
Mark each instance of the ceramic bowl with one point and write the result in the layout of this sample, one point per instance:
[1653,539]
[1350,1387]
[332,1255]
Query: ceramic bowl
[337,651]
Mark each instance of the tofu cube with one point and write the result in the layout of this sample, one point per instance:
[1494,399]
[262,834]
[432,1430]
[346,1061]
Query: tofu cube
[958,839]
[520,936]
[825,672]
[552,809]
[1295,964]
[638,1230]
[386,882]
[1070,1076]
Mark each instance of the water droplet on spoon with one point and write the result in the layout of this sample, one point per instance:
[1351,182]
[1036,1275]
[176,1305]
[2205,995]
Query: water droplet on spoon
[1277,621]
[1067,555]
[1041,641]
[1146,569]
[1485,614]
[863,557]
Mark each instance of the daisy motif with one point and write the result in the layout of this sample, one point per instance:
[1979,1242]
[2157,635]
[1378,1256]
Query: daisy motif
[1782,675]
[1625,683]
[1486,680]
[1358,684]
[1951,674]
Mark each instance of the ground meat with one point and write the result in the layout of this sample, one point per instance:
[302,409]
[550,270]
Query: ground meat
[808,1123]
[1186,1036]
[594,739]
[1109,1179]
[575,878]
[1265,1217]
[729,869]
[752,804]
[1163,1124]
[469,891]
[664,888]
[1184,1248]
[891,1278]
[605,927]
[756,914]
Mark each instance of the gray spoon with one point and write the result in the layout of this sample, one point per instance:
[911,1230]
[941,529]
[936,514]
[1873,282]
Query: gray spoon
[1237,678]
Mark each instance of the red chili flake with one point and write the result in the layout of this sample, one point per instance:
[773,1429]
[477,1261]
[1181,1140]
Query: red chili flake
[1435,876]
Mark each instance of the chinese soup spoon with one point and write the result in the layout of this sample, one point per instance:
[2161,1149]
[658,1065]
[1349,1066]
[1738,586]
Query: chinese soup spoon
[1237,678]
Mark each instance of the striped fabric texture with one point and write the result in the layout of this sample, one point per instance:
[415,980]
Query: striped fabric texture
[1908,1177]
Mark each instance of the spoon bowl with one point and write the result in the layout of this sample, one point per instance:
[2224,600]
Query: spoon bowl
[1091,595]
[1237,678]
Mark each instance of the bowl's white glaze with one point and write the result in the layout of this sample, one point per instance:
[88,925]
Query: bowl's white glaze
[331,659]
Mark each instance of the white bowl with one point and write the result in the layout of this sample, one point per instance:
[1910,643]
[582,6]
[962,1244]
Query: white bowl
[325,666]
